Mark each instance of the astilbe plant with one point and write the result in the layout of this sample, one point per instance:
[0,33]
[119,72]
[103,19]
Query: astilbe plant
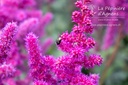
[28,18]
[66,70]
[6,38]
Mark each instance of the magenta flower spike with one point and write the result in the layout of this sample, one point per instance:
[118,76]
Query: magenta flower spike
[76,44]
[66,70]
[35,61]
[6,38]
[40,66]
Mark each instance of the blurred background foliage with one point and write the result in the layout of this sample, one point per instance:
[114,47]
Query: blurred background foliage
[114,70]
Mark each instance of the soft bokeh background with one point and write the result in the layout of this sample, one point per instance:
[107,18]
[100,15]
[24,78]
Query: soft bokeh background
[114,70]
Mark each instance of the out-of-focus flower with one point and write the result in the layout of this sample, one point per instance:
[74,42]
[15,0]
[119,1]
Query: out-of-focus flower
[109,36]
[46,45]
[6,71]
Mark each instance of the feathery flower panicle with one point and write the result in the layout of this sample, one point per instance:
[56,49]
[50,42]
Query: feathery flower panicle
[66,70]
[33,48]
[76,44]
[6,38]
[40,66]
[36,59]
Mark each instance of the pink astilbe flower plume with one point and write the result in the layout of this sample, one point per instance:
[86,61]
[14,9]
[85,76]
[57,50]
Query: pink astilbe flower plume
[66,70]
[40,66]
[6,38]
[76,44]
[35,55]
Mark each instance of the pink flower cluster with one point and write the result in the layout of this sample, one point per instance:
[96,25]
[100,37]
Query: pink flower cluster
[6,38]
[66,70]
[17,18]
[24,12]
